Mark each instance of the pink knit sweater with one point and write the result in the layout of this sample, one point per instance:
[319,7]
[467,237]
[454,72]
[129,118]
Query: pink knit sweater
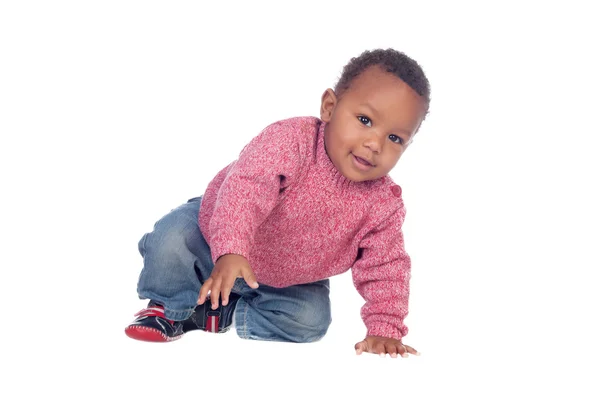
[284,206]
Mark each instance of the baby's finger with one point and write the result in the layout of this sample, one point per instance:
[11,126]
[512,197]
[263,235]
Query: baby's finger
[378,348]
[390,348]
[226,290]
[250,278]
[360,347]
[204,290]
[214,293]
[412,350]
[402,350]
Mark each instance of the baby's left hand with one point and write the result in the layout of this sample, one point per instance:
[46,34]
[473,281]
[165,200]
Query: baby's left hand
[382,346]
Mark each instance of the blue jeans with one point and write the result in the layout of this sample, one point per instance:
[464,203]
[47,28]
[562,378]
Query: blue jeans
[177,260]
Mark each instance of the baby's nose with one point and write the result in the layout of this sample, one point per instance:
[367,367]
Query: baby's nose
[373,142]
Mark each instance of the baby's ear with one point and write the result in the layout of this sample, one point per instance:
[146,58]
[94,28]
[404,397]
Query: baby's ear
[328,102]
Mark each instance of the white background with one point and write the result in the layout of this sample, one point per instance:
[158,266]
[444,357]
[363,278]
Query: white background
[112,113]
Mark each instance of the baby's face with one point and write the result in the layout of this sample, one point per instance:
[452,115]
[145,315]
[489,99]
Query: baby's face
[371,124]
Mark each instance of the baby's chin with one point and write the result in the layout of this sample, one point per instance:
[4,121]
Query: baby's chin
[361,178]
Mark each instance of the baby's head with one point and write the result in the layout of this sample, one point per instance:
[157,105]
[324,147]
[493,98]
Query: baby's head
[373,113]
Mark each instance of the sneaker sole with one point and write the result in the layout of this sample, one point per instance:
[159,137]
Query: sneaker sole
[148,334]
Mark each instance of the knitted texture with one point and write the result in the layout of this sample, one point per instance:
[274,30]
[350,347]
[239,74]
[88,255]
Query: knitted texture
[285,207]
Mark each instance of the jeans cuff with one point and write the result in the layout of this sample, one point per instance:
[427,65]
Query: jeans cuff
[241,309]
[178,315]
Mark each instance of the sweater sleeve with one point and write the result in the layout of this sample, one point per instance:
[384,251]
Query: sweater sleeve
[249,192]
[381,275]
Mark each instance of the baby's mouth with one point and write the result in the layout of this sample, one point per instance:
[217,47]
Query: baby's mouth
[363,161]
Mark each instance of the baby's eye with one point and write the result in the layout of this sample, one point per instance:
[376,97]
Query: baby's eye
[396,139]
[364,120]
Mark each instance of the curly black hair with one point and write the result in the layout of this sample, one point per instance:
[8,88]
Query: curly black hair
[392,61]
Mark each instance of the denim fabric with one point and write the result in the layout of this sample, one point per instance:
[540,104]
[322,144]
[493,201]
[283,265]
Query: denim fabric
[177,260]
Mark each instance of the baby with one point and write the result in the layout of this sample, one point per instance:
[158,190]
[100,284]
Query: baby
[307,199]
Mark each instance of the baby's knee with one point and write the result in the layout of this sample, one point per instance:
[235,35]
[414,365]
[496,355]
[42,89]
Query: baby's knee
[170,236]
[315,321]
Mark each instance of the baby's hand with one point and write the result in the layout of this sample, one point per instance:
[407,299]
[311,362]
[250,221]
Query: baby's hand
[382,346]
[221,280]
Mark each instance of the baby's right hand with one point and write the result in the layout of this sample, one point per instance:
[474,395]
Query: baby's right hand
[227,268]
